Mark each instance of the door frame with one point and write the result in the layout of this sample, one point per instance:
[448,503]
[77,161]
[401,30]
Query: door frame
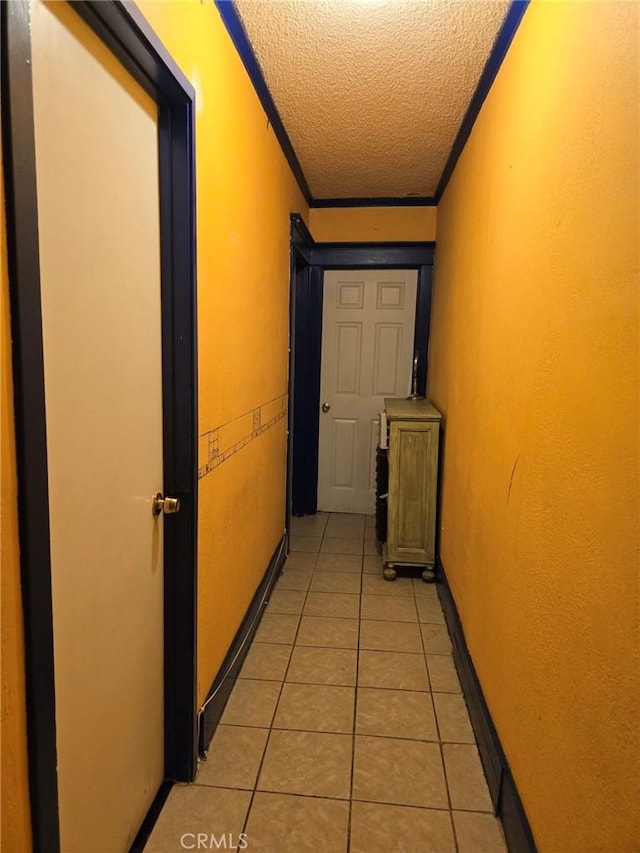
[124,30]
[304,353]
[309,260]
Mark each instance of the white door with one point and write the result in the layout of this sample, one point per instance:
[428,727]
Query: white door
[98,205]
[368,323]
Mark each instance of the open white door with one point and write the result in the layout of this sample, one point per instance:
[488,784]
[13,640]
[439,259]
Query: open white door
[368,327]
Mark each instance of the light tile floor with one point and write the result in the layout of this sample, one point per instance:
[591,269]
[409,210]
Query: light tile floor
[346,730]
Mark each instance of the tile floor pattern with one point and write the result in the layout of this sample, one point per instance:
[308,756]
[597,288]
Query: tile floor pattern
[346,731]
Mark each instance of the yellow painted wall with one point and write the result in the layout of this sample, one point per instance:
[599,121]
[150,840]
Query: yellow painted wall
[375,224]
[245,193]
[15,827]
[534,363]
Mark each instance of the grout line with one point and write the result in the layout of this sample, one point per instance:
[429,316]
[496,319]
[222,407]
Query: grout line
[406,805]
[448,741]
[342,799]
[426,663]
[363,686]
[324,645]
[435,717]
[336,616]
[342,733]
[275,709]
[437,722]
[368,802]
[446,784]
[355,705]
[350,648]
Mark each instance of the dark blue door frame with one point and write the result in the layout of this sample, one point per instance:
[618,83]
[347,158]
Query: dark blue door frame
[309,260]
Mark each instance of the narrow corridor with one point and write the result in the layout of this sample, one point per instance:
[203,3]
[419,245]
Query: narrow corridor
[340,652]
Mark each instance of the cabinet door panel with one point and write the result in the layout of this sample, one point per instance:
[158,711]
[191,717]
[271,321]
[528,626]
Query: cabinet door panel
[413,466]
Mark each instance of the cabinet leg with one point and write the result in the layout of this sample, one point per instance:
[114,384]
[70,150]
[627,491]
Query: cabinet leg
[429,575]
[389,572]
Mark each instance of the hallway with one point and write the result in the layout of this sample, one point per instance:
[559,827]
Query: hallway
[338,651]
[346,729]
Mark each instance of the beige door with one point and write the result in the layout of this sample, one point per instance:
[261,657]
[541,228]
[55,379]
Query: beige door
[368,322]
[98,205]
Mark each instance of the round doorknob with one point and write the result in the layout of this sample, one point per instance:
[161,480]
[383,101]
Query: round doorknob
[326,407]
[169,506]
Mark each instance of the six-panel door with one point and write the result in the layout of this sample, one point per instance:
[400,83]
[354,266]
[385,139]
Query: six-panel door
[367,354]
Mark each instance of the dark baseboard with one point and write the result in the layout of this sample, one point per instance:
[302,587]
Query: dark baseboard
[502,787]
[153,814]
[223,683]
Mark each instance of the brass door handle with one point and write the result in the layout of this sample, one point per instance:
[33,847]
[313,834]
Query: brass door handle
[169,506]
[326,407]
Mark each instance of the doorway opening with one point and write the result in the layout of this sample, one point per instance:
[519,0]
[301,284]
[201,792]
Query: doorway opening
[309,262]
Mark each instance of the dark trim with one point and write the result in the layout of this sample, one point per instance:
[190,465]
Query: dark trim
[18,141]
[300,237]
[372,255]
[313,336]
[422,327]
[151,819]
[180,418]
[294,261]
[301,242]
[237,32]
[386,201]
[123,29]
[489,73]
[308,264]
[211,711]
[306,418]
[504,794]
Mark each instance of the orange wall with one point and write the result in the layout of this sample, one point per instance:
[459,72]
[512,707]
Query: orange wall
[534,363]
[15,828]
[245,193]
[376,224]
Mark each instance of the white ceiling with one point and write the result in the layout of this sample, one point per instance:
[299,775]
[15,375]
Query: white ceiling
[372,92]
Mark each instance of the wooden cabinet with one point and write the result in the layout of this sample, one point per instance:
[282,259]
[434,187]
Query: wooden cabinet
[414,434]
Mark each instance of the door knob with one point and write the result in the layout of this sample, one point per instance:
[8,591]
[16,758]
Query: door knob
[326,407]
[169,506]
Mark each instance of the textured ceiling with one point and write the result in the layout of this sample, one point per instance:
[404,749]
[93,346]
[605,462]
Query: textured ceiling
[372,92]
